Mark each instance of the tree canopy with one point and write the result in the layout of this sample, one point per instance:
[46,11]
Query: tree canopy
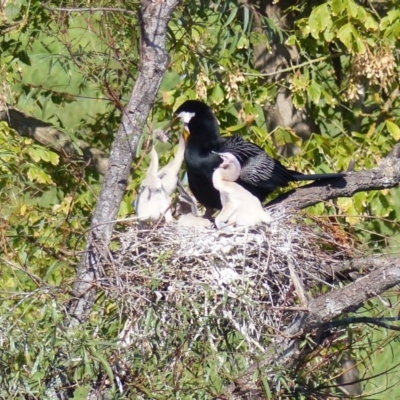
[314,84]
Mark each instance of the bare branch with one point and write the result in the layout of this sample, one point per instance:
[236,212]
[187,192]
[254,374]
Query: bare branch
[154,17]
[90,9]
[291,68]
[47,135]
[321,311]
[382,322]
[385,175]
[325,308]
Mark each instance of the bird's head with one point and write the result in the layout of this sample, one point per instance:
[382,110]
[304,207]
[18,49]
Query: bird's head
[230,167]
[198,119]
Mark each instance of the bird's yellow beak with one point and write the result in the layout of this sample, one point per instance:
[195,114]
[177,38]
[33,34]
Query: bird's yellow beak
[185,133]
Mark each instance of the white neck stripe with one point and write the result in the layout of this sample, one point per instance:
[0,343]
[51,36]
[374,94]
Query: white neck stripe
[186,116]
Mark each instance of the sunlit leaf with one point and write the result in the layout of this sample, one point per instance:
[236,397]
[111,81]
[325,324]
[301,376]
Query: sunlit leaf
[314,91]
[393,129]
[218,94]
[38,175]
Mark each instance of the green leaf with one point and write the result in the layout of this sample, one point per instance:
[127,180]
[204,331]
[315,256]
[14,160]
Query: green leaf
[370,23]
[329,36]
[352,8]
[337,7]
[299,100]
[54,158]
[231,17]
[314,92]
[291,40]
[38,175]
[34,154]
[217,95]
[304,27]
[43,154]
[319,19]
[104,362]
[346,205]
[81,393]
[265,384]
[345,34]
[380,205]
[362,14]
[170,81]
[40,154]
[234,42]
[246,18]
[284,136]
[393,129]
[235,128]
[332,101]
[260,133]
[243,43]
[48,198]
[257,38]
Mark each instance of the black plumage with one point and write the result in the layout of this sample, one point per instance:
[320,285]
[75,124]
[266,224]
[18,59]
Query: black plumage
[260,174]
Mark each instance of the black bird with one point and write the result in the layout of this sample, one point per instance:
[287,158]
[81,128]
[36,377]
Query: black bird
[260,174]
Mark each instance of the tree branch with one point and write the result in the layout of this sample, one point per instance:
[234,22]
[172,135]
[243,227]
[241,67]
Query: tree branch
[385,175]
[382,322]
[321,311]
[154,17]
[325,308]
[89,9]
[47,135]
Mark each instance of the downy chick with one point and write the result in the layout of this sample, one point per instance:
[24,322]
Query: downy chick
[169,173]
[152,201]
[239,206]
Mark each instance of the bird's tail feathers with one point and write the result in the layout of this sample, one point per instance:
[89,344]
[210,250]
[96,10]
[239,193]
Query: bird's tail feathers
[314,177]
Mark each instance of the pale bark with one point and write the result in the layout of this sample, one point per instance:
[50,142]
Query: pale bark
[320,312]
[386,175]
[154,17]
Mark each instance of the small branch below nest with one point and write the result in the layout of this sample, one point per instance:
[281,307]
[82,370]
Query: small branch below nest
[385,175]
[299,288]
[323,309]
[382,322]
[336,303]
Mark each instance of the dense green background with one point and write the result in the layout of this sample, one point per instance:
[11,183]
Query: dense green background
[76,70]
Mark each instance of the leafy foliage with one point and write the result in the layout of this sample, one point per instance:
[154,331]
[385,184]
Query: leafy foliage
[76,70]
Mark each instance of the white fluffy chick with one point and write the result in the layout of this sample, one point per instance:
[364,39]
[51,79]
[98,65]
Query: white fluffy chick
[239,206]
[152,201]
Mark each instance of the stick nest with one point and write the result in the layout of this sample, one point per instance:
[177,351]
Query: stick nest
[207,282]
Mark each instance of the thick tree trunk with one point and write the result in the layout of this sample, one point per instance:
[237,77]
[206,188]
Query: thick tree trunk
[154,18]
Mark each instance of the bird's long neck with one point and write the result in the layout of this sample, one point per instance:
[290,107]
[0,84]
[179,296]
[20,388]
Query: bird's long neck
[153,167]
[178,159]
[217,179]
[205,127]
[221,183]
